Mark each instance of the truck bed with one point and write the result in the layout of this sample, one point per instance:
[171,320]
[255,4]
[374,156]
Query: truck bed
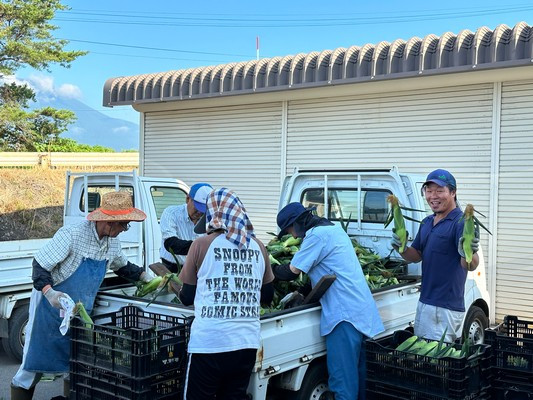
[290,338]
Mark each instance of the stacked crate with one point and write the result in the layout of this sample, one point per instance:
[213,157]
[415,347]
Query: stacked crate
[512,359]
[395,374]
[129,354]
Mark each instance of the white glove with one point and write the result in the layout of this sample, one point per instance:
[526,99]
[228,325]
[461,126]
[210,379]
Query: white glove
[53,297]
[395,241]
[144,277]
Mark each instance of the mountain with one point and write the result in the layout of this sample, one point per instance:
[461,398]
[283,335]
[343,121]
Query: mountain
[93,127]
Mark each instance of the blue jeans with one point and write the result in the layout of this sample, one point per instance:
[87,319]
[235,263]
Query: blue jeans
[346,362]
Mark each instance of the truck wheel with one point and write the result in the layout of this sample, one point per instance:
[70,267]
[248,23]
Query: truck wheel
[14,343]
[315,384]
[475,324]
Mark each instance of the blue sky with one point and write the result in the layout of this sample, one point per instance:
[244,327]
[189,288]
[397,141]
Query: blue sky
[136,37]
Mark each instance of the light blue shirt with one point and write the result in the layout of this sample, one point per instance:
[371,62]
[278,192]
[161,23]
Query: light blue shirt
[327,250]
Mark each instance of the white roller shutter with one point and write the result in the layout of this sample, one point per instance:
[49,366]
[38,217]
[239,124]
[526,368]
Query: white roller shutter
[236,147]
[418,131]
[515,219]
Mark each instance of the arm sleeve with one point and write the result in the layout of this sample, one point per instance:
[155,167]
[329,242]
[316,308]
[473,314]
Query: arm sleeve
[130,272]
[187,294]
[40,276]
[267,293]
[178,246]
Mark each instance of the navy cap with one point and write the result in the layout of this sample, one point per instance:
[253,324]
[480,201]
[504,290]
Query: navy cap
[288,214]
[442,178]
[198,193]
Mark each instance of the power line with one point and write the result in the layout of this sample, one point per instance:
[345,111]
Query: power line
[205,21]
[155,48]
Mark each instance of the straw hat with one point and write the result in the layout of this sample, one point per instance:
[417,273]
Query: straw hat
[116,206]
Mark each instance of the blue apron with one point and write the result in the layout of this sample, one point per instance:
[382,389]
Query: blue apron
[49,351]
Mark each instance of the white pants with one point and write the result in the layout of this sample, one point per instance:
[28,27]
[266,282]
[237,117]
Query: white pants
[431,322]
[26,379]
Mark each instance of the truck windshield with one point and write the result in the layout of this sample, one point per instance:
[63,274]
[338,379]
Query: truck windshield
[165,196]
[95,194]
[343,204]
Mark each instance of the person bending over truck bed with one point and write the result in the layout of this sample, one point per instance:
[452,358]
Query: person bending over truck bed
[349,313]
[177,226]
[439,245]
[71,267]
[226,275]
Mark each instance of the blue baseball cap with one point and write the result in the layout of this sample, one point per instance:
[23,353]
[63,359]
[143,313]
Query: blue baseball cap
[442,178]
[198,193]
[288,214]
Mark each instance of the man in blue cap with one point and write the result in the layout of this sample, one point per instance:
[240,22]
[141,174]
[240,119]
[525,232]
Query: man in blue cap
[349,313]
[439,245]
[177,225]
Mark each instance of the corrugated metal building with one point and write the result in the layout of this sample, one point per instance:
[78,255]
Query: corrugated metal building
[462,102]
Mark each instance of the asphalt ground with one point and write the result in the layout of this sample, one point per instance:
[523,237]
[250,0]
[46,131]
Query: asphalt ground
[45,390]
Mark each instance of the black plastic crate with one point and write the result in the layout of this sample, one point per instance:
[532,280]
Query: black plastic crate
[88,382]
[514,389]
[383,391]
[411,376]
[512,347]
[132,342]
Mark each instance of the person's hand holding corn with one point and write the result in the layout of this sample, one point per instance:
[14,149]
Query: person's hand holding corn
[474,244]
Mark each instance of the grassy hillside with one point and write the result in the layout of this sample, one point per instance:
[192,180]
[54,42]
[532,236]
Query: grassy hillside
[31,202]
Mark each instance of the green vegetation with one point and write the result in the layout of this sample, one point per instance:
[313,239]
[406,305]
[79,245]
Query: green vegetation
[26,41]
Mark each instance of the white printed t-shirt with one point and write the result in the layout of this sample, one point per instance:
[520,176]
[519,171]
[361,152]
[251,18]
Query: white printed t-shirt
[226,305]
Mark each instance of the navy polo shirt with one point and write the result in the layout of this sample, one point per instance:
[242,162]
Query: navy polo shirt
[443,277]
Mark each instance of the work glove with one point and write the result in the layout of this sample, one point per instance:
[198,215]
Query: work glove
[283,272]
[144,277]
[395,240]
[53,297]
[474,245]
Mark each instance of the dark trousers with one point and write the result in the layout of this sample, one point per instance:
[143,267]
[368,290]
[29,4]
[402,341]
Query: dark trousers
[220,376]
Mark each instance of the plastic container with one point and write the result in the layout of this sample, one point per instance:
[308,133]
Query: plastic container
[402,375]
[131,342]
[512,346]
[91,383]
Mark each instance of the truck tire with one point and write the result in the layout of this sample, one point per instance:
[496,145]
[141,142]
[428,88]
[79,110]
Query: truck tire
[475,324]
[14,343]
[315,384]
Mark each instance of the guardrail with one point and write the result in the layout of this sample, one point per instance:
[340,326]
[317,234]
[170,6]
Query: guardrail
[56,159]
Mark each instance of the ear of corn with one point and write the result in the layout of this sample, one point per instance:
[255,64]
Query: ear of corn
[468,233]
[399,223]
[88,322]
[149,287]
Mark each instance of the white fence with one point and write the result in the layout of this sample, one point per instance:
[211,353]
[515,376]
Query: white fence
[53,160]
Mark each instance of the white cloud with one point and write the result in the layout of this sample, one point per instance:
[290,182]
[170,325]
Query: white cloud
[12,79]
[44,87]
[121,129]
[77,130]
[42,84]
[69,91]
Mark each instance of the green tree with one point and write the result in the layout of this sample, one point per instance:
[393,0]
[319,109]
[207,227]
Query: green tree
[26,40]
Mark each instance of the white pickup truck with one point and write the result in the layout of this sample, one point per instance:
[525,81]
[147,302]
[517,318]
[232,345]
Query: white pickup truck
[292,355]
[82,195]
